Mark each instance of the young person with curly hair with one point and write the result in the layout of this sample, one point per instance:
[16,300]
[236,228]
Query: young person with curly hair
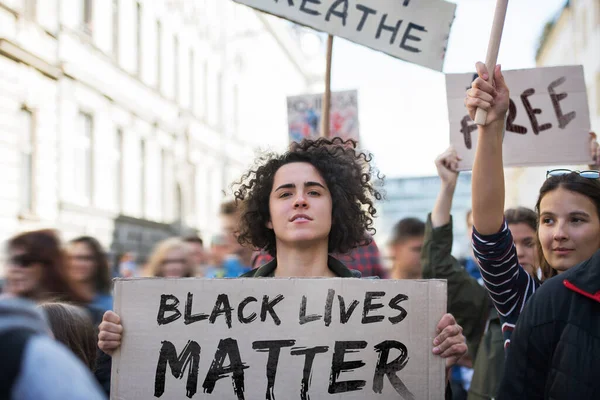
[313,200]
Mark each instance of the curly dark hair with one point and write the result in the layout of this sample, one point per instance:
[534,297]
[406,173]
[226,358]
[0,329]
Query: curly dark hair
[349,176]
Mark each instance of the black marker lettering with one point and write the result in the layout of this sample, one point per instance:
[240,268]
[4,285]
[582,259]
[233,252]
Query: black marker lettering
[407,36]
[222,307]
[308,10]
[467,126]
[512,115]
[531,112]
[227,348]
[165,306]
[304,319]
[366,11]
[190,356]
[309,354]
[267,306]
[338,365]
[329,306]
[394,305]
[188,316]
[390,369]
[563,119]
[367,306]
[345,315]
[341,14]
[273,347]
[389,28]
[251,317]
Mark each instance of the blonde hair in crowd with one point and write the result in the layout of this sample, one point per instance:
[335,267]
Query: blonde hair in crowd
[159,254]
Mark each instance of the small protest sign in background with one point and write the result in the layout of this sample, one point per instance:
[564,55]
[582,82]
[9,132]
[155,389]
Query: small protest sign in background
[413,30]
[305,111]
[548,121]
[278,339]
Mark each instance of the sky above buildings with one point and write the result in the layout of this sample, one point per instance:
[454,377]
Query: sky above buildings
[402,106]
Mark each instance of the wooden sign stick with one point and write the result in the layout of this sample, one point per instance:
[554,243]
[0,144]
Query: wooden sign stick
[492,51]
[327,96]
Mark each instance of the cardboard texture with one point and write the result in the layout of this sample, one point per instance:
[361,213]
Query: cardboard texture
[305,112]
[386,322]
[414,31]
[558,112]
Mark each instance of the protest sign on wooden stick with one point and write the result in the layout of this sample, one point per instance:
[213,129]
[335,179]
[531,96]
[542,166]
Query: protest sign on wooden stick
[278,339]
[325,124]
[414,31]
[548,119]
[492,53]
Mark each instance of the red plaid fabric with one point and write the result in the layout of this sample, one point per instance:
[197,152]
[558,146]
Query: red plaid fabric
[365,259]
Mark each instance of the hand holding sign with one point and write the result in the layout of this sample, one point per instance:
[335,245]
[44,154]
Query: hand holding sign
[494,99]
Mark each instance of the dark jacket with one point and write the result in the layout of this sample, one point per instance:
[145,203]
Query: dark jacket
[469,302]
[555,348]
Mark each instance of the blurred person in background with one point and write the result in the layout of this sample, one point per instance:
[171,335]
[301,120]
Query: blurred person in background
[88,272]
[35,268]
[405,249]
[170,259]
[219,250]
[127,267]
[239,259]
[33,365]
[72,326]
[197,254]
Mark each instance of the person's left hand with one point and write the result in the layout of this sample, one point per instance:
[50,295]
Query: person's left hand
[450,342]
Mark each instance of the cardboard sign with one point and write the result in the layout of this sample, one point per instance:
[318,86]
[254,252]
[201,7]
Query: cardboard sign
[548,121]
[278,339]
[412,30]
[304,116]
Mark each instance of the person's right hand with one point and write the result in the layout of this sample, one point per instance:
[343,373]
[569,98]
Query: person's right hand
[447,166]
[109,338]
[492,98]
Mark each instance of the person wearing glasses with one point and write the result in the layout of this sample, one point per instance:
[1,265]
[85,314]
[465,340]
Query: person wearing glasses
[35,268]
[314,200]
[555,349]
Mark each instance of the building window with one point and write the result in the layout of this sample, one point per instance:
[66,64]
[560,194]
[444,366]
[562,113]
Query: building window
[143,161]
[27,181]
[83,157]
[30,9]
[176,67]
[192,80]
[118,164]
[87,16]
[116,28]
[138,39]
[158,55]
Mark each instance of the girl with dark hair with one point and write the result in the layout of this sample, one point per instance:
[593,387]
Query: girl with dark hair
[565,314]
[88,271]
[73,327]
[315,199]
[35,267]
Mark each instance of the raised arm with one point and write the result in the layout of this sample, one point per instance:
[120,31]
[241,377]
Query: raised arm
[488,172]
[446,165]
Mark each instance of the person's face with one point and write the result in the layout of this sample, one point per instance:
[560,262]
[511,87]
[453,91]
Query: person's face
[569,228]
[81,265]
[196,253]
[23,274]
[300,205]
[229,226]
[407,256]
[524,238]
[174,264]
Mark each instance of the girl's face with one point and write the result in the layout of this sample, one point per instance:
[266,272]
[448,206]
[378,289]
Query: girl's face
[524,238]
[300,205]
[81,263]
[174,264]
[23,274]
[569,228]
